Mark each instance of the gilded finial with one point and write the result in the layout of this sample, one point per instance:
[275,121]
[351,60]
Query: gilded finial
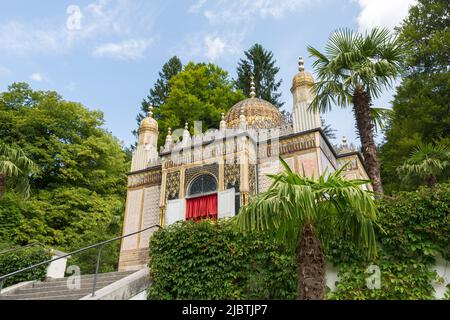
[252,87]
[150,110]
[301,64]
[186,126]
[223,116]
[169,131]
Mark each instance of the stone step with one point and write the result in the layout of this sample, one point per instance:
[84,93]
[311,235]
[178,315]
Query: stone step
[83,279]
[56,289]
[47,294]
[60,296]
[62,287]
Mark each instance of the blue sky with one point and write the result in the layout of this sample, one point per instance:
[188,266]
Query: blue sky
[106,54]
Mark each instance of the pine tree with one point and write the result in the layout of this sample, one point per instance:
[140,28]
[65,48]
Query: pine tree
[160,91]
[260,63]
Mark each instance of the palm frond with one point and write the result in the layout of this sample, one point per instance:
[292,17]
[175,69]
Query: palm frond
[371,60]
[430,159]
[380,116]
[331,203]
[15,164]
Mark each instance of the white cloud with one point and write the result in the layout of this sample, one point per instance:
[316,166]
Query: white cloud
[231,21]
[210,46]
[37,77]
[18,38]
[127,50]
[215,47]
[101,19]
[219,12]
[382,13]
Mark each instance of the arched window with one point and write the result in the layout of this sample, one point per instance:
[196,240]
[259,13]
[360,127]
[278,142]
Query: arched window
[203,184]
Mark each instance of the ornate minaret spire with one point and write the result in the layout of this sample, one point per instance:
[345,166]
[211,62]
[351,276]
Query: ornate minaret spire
[146,150]
[186,134]
[252,87]
[223,123]
[169,139]
[302,117]
[150,110]
[301,64]
[242,119]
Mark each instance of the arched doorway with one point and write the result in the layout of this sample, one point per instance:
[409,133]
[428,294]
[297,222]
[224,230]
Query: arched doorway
[201,202]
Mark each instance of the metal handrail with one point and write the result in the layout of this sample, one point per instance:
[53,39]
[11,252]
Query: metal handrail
[100,244]
[22,248]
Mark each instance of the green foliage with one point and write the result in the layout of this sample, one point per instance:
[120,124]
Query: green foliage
[77,197]
[426,31]
[260,63]
[353,61]
[208,260]
[406,280]
[328,130]
[424,92]
[414,227]
[428,164]
[331,203]
[201,92]
[16,260]
[160,91]
[16,165]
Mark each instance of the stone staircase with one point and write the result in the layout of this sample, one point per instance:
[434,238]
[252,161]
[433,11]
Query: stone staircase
[57,289]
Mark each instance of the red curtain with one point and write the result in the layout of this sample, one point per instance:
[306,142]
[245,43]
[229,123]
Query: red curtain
[201,208]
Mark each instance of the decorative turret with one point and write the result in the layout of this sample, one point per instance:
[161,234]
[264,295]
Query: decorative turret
[242,120]
[223,123]
[146,150]
[252,87]
[169,139]
[344,147]
[186,135]
[303,119]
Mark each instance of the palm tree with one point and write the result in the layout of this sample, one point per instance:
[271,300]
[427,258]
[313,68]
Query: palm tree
[309,214]
[354,69]
[428,162]
[15,164]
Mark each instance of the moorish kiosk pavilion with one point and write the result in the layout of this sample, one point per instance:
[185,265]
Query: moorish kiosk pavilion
[213,174]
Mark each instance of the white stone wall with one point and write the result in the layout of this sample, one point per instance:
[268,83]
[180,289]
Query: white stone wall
[132,217]
[150,214]
[267,167]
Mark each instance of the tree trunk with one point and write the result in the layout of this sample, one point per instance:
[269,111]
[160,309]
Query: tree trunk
[364,125]
[432,180]
[311,266]
[2,184]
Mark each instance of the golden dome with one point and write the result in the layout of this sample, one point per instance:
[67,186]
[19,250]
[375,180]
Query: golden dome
[302,78]
[259,114]
[148,123]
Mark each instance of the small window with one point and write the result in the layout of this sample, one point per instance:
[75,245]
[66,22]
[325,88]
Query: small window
[203,184]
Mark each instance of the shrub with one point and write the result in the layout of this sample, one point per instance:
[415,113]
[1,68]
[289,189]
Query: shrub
[16,260]
[414,228]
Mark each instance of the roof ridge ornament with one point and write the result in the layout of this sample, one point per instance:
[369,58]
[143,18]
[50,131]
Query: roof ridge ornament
[252,87]
[150,110]
[301,64]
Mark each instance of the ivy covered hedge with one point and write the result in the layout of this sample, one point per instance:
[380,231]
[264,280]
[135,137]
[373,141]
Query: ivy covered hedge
[16,260]
[212,261]
[415,227]
[206,260]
